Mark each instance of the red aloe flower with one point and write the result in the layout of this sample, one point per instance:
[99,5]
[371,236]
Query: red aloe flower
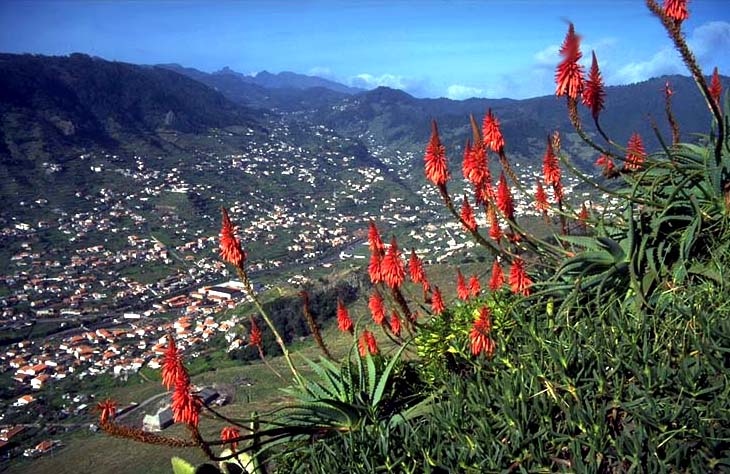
[377,310]
[497,279]
[461,290]
[415,269]
[436,169]
[437,302]
[479,334]
[254,336]
[635,153]
[391,268]
[395,323]
[376,243]
[474,287]
[185,406]
[107,410]
[374,268]
[676,9]
[583,217]
[367,343]
[172,367]
[372,343]
[668,92]
[230,245]
[467,215]
[518,279]
[569,74]
[475,166]
[492,134]
[504,198]
[467,165]
[483,191]
[715,87]
[541,199]
[607,164]
[495,231]
[550,165]
[344,323]
[480,195]
[230,433]
[481,172]
[593,94]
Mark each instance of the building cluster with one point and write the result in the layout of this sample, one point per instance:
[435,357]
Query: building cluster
[138,342]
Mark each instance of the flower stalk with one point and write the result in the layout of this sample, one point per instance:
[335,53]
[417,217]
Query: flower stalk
[277,337]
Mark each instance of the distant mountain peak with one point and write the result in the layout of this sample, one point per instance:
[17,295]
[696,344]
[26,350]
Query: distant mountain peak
[230,72]
[289,80]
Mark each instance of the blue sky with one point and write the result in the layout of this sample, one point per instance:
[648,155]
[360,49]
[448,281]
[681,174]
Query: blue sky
[431,48]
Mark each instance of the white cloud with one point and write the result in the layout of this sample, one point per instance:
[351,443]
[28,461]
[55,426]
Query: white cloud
[548,57]
[320,71]
[460,92]
[666,61]
[368,81]
[418,87]
[710,43]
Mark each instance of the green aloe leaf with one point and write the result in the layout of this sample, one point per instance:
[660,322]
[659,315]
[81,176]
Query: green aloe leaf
[385,376]
[181,466]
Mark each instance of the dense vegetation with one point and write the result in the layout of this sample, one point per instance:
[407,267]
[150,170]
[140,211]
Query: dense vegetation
[286,314]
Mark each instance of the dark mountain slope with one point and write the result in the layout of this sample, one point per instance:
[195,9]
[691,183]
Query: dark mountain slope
[53,105]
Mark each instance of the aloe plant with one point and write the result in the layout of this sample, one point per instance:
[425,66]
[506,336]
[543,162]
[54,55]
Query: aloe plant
[347,397]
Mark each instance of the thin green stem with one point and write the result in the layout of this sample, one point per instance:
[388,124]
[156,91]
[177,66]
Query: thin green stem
[595,184]
[575,120]
[279,340]
[266,362]
[232,421]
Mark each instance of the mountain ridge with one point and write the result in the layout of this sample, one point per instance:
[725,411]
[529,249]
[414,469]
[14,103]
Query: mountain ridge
[288,79]
[268,80]
[54,108]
